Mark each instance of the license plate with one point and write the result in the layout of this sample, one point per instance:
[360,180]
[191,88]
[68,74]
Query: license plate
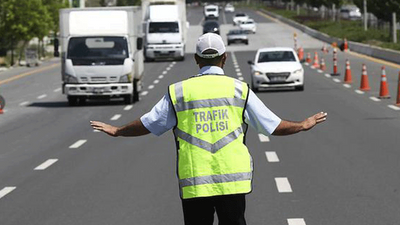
[275,79]
[98,90]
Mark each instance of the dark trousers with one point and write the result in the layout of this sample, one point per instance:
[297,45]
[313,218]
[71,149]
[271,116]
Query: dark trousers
[200,211]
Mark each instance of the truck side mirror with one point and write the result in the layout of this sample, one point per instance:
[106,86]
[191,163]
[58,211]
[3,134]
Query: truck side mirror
[139,43]
[56,45]
[250,62]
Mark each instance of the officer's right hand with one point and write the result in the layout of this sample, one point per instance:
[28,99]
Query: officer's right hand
[106,128]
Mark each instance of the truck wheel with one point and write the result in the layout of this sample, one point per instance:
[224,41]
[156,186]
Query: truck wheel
[82,101]
[128,99]
[135,91]
[72,100]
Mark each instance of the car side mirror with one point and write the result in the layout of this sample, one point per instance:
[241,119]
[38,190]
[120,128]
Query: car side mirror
[56,45]
[250,62]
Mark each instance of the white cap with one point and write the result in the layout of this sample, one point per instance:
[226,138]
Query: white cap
[209,41]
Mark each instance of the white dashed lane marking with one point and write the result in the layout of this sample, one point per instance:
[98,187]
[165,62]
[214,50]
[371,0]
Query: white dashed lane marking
[144,93]
[336,80]
[283,185]
[239,74]
[116,117]
[272,157]
[156,81]
[151,86]
[46,164]
[359,92]
[375,99]
[347,85]
[161,77]
[164,72]
[5,191]
[327,75]
[78,144]
[128,107]
[57,90]
[296,221]
[263,138]
[42,96]
[394,107]
[24,103]
[240,78]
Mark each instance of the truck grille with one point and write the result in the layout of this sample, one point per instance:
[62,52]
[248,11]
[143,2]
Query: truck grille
[98,79]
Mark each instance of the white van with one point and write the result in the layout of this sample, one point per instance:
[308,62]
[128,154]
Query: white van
[211,11]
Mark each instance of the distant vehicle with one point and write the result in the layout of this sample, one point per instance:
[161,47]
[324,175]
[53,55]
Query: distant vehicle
[229,8]
[248,26]
[165,29]
[350,12]
[211,12]
[211,26]
[101,53]
[237,36]
[239,18]
[276,68]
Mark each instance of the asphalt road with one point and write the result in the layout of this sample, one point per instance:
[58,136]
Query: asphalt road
[55,170]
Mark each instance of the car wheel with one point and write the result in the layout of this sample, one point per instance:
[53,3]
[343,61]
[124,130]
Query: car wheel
[299,88]
[247,42]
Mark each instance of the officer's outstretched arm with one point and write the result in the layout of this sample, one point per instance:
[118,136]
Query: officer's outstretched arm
[289,127]
[136,128]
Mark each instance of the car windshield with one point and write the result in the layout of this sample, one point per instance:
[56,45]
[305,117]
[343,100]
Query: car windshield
[248,22]
[277,56]
[240,15]
[86,50]
[211,9]
[236,32]
[163,27]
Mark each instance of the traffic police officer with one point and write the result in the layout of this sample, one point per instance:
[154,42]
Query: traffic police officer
[209,114]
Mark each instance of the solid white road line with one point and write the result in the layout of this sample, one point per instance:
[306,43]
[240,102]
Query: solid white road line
[24,103]
[296,221]
[151,86]
[116,117]
[336,80]
[57,90]
[283,185]
[375,99]
[143,93]
[42,96]
[161,77]
[78,144]
[347,85]
[46,164]
[359,92]
[156,81]
[394,107]
[5,191]
[128,107]
[263,138]
[272,157]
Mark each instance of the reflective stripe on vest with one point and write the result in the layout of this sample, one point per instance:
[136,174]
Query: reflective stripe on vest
[212,157]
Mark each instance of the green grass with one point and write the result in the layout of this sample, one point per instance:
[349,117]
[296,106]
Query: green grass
[352,30]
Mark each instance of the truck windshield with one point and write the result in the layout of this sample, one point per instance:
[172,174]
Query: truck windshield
[97,50]
[163,27]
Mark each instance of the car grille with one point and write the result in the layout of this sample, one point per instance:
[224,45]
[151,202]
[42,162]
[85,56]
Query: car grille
[277,77]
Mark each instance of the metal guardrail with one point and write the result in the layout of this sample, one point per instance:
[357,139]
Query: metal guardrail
[369,50]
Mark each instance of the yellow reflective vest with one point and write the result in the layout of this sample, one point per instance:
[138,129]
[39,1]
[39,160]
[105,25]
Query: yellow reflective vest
[212,157]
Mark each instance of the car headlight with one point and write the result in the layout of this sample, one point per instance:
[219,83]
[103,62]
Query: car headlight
[257,73]
[125,78]
[298,71]
[69,79]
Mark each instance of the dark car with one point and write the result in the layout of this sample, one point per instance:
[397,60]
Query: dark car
[211,27]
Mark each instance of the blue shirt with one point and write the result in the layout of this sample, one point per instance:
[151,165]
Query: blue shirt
[162,118]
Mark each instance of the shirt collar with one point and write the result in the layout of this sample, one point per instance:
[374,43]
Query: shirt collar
[211,70]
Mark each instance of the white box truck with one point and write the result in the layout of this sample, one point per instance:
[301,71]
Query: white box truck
[101,53]
[165,29]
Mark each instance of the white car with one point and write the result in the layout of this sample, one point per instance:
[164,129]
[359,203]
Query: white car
[239,18]
[211,11]
[248,26]
[275,68]
[229,8]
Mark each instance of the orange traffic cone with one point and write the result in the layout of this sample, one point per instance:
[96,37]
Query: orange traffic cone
[384,90]
[364,79]
[398,92]
[308,59]
[346,45]
[347,76]
[316,61]
[301,54]
[324,49]
[323,66]
[335,70]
